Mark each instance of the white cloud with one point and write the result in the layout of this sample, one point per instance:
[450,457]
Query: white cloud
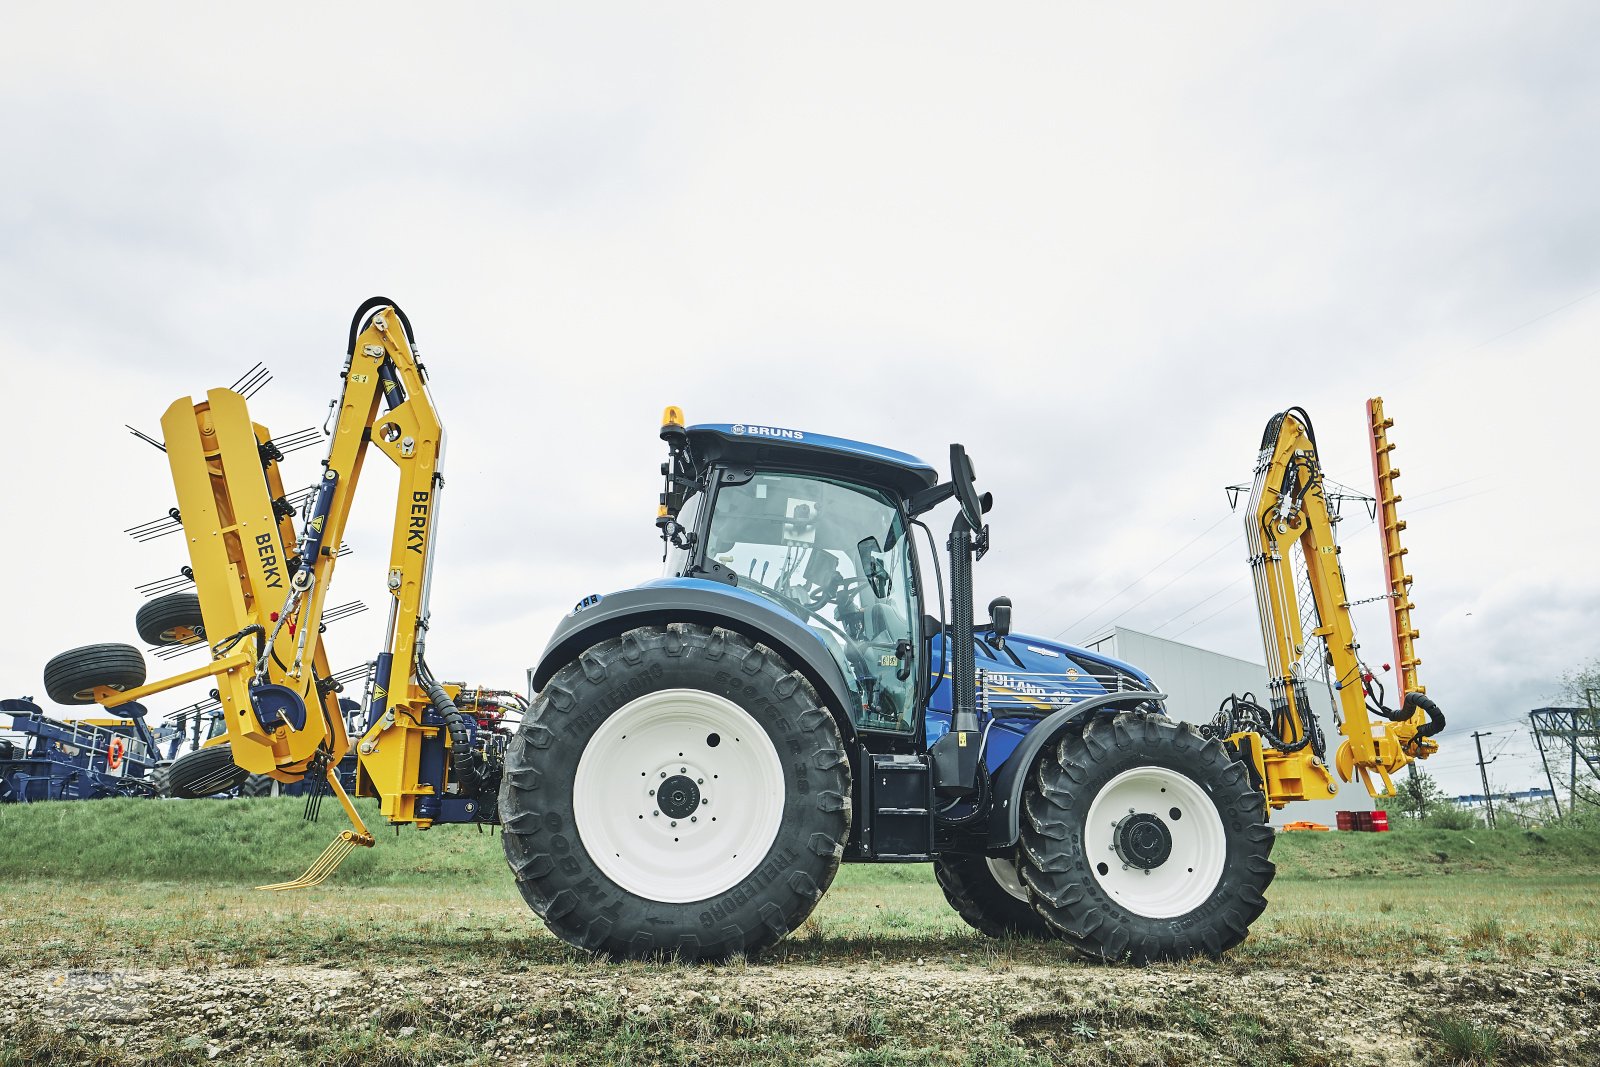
[1099,246]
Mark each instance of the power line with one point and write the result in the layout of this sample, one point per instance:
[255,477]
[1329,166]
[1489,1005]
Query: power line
[1143,576]
[1231,543]
[1537,318]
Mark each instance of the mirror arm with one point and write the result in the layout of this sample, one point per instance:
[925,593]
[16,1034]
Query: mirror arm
[924,501]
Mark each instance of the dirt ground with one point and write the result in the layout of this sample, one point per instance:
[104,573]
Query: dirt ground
[955,1011]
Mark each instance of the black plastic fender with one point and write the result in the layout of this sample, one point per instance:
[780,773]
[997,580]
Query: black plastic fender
[1012,777]
[617,613]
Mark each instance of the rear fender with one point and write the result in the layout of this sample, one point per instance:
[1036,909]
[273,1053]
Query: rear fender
[709,604]
[1006,787]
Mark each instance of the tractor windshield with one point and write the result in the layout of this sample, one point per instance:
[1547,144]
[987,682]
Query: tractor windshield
[836,555]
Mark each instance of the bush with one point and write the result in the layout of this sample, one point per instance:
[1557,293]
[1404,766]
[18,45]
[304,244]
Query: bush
[1450,817]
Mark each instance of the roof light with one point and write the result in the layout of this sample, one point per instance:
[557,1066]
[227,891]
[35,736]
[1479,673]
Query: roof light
[673,416]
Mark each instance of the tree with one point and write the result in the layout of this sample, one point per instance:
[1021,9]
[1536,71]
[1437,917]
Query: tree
[1415,794]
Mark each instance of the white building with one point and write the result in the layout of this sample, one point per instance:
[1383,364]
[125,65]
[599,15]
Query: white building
[1196,682]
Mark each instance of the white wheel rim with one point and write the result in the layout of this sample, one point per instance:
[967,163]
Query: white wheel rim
[722,816]
[1187,876]
[1007,877]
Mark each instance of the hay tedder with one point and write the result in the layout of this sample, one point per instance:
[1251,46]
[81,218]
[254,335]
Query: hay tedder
[700,752]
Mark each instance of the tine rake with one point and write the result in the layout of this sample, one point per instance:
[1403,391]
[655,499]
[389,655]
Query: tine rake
[325,864]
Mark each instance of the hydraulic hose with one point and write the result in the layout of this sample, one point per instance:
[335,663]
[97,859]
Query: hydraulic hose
[1435,721]
[462,767]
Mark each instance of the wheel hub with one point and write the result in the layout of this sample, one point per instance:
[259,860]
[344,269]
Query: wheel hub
[1142,841]
[678,797]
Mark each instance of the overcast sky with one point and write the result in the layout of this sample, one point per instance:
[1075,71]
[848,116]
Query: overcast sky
[1100,246]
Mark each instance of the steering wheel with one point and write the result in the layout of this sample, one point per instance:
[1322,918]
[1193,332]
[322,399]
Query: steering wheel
[837,593]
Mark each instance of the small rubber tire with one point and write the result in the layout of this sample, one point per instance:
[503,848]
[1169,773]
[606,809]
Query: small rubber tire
[71,677]
[158,778]
[976,893]
[1076,890]
[809,816]
[258,785]
[204,772]
[158,621]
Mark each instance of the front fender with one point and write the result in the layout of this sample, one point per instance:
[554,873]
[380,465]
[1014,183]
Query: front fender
[1005,808]
[711,604]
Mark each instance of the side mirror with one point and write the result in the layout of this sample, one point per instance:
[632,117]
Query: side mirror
[1000,619]
[872,568]
[966,487]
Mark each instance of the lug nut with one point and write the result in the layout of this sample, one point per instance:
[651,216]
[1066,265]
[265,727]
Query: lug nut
[653,813]
[663,774]
[652,792]
[694,818]
[674,822]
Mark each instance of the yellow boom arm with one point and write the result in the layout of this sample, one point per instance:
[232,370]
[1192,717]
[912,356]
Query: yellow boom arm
[262,588]
[1289,513]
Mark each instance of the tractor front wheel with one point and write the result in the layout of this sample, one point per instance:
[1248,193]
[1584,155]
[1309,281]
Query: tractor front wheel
[1143,841]
[679,791]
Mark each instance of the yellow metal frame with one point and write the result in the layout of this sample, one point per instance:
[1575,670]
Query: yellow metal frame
[226,480]
[1289,513]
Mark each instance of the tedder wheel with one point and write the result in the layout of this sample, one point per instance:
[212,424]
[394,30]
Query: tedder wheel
[71,677]
[1144,841]
[159,785]
[676,792]
[173,619]
[204,772]
[258,785]
[988,893]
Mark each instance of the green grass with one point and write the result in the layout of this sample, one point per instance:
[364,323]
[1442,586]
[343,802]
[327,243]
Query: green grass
[145,871]
[141,885]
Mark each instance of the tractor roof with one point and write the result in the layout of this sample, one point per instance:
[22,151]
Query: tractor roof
[800,450]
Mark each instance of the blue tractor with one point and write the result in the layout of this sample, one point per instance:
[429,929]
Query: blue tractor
[706,748]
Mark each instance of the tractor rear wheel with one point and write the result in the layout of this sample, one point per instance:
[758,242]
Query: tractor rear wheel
[1143,841]
[988,893]
[203,773]
[71,677]
[173,619]
[679,791]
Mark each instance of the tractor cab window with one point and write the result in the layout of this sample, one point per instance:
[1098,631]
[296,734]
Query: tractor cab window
[837,556]
[677,561]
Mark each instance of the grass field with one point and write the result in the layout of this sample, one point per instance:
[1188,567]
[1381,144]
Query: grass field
[159,895]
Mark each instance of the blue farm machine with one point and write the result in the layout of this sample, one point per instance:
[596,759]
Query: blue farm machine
[803,686]
[46,758]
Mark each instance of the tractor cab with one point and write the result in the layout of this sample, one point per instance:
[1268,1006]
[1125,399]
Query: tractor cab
[818,527]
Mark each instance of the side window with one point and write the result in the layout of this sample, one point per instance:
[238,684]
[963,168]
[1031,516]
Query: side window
[836,556]
[678,558]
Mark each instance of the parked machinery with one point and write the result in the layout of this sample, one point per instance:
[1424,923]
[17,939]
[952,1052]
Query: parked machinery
[45,758]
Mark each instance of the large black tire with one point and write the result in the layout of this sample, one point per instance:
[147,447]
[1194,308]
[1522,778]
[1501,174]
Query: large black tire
[971,887]
[1145,884]
[613,683]
[258,785]
[158,621]
[204,772]
[71,677]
